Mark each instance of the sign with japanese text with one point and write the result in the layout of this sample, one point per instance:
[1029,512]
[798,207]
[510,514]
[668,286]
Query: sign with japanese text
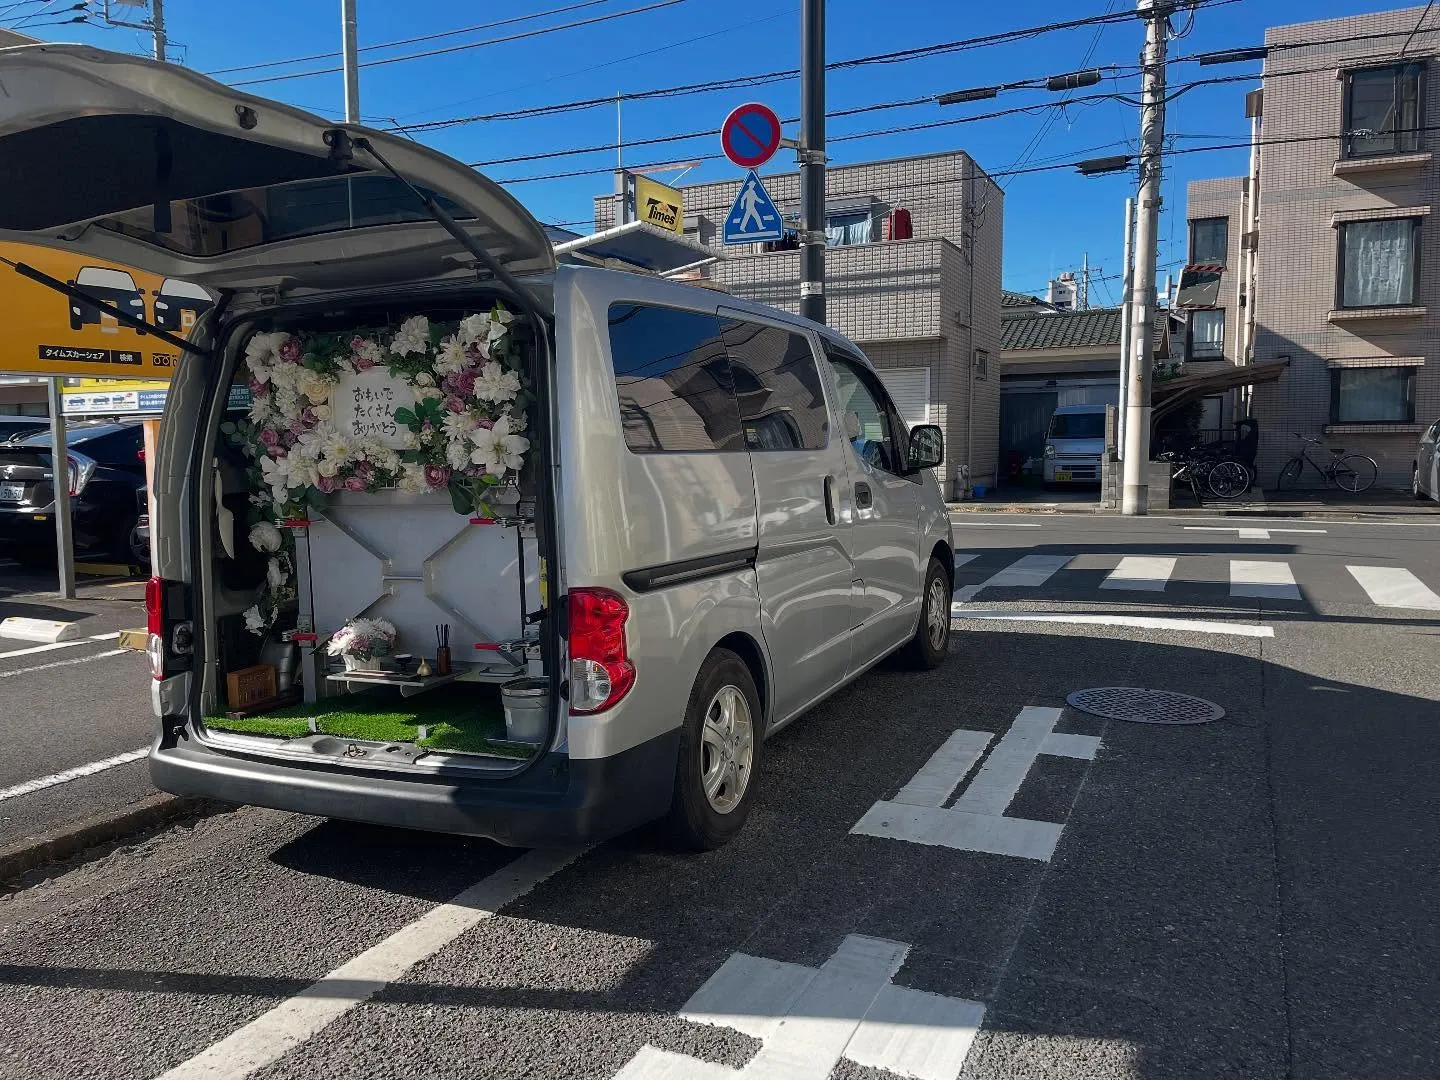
[48,333]
[363,406]
[660,204]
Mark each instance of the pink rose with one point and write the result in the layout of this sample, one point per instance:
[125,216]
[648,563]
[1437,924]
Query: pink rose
[473,352]
[486,424]
[448,383]
[454,405]
[308,415]
[326,484]
[288,439]
[297,426]
[290,350]
[475,470]
[362,363]
[274,451]
[436,476]
[354,483]
[465,384]
[365,470]
[258,388]
[427,428]
[270,437]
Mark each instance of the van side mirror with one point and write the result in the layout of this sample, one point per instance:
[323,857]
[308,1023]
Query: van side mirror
[927,447]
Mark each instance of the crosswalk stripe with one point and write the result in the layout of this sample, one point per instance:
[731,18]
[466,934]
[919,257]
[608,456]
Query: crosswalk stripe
[1270,580]
[1028,571]
[1395,587]
[1141,573]
[962,558]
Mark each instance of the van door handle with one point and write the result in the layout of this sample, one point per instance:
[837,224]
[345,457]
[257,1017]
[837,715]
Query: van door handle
[862,495]
[830,514]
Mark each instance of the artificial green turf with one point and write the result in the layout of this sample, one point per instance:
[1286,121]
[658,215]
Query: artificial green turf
[460,717]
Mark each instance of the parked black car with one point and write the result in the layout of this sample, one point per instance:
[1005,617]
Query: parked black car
[106,469]
[17,427]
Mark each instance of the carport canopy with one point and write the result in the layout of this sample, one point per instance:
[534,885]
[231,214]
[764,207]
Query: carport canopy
[637,245]
[1176,393]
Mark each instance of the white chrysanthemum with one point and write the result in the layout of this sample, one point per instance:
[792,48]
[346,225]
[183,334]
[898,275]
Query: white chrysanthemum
[496,384]
[474,328]
[457,454]
[450,357]
[497,448]
[412,478]
[459,425]
[412,337]
[261,410]
[265,537]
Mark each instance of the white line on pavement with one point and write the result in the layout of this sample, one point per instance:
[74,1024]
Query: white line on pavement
[1270,580]
[71,774]
[1143,622]
[64,663]
[1250,532]
[1392,586]
[1140,573]
[996,524]
[961,559]
[269,1037]
[1026,572]
[33,649]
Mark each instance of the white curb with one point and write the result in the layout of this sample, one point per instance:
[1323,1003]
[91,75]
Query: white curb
[44,631]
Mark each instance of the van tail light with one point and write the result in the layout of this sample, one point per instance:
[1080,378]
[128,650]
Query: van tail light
[169,637]
[600,669]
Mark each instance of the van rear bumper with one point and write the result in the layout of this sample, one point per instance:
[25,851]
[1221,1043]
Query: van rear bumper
[558,803]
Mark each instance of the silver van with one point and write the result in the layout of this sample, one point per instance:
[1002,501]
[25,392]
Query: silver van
[687,519]
[1075,445]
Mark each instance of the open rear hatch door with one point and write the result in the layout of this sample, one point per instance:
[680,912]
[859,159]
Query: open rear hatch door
[128,161]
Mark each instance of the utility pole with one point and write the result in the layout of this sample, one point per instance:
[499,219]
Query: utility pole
[350,51]
[812,159]
[1135,494]
[157,27]
[1084,304]
[1127,283]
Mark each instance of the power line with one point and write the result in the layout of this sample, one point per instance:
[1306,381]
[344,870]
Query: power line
[1418,23]
[763,78]
[410,40]
[288,77]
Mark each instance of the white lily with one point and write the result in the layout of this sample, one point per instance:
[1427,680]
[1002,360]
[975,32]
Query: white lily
[498,448]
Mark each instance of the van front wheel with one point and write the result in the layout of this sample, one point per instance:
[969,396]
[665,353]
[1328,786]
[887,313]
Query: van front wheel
[928,647]
[719,753]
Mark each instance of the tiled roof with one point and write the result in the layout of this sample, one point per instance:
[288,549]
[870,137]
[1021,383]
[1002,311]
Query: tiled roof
[1018,299]
[1062,330]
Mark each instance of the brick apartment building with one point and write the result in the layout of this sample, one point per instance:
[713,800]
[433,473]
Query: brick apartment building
[912,276]
[1346,271]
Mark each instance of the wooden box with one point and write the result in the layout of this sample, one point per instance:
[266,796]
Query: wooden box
[250,685]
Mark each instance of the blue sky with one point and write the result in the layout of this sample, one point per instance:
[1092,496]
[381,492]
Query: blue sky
[1051,219]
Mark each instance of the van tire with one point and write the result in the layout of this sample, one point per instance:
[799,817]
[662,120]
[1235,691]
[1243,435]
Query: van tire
[694,823]
[927,649]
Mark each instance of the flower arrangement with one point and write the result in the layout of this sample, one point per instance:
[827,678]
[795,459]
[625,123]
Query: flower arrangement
[464,433]
[361,640]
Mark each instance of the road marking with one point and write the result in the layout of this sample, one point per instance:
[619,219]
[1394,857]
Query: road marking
[961,560]
[1142,622]
[268,1037]
[1026,572]
[808,1020]
[63,663]
[1271,580]
[977,821]
[72,774]
[1140,573]
[33,649]
[1250,532]
[1392,586]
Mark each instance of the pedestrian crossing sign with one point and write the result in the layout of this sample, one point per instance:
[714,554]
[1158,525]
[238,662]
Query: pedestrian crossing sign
[754,217]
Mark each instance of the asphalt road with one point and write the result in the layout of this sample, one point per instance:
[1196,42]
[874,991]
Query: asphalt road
[1252,897]
[69,707]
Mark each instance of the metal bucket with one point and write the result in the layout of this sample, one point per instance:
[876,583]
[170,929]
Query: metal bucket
[527,709]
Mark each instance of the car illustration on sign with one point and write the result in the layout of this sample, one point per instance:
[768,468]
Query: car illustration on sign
[113,286]
[179,303]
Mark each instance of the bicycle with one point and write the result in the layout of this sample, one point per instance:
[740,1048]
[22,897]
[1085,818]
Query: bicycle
[1349,472]
[1222,476]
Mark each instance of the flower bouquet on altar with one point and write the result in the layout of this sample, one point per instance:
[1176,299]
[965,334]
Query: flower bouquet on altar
[363,643]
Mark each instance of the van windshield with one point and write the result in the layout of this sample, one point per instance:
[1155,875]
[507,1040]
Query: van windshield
[1077,426]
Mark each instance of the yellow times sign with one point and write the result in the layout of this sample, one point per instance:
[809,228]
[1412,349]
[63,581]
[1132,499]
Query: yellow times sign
[48,333]
[660,204]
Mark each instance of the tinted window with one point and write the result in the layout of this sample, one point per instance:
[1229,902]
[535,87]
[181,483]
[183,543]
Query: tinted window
[1077,426]
[867,414]
[1209,240]
[673,380]
[782,404]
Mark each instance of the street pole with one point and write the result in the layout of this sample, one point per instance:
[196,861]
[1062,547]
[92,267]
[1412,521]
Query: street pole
[350,50]
[1127,282]
[60,481]
[157,28]
[812,159]
[1135,495]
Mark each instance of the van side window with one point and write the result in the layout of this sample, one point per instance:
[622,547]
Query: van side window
[868,416]
[782,402]
[673,381]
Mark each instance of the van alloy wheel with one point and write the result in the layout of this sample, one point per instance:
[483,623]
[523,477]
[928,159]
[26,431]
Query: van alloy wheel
[727,749]
[937,613]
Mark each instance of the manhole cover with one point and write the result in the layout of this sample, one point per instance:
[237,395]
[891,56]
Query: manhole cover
[1144,706]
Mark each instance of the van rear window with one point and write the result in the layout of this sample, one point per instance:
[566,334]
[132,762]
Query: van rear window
[673,381]
[1077,426]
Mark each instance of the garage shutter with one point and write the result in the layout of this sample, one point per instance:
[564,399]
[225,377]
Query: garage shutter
[910,390]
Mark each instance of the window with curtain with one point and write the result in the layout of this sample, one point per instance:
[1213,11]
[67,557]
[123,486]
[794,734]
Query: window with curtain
[1383,109]
[1372,395]
[1207,334]
[1209,240]
[1377,262]
[842,230]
